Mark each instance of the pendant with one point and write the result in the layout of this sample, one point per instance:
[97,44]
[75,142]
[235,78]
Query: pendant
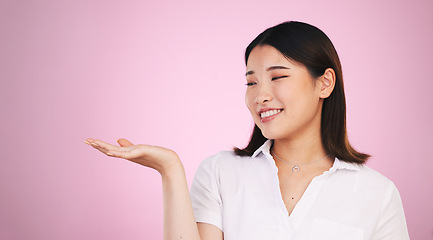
[295,168]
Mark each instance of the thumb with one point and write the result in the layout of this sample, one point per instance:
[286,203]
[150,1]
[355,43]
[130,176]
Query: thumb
[124,143]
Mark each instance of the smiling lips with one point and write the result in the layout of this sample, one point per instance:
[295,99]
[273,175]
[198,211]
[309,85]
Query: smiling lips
[268,115]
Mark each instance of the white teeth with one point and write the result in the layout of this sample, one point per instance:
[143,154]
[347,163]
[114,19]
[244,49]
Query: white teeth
[269,113]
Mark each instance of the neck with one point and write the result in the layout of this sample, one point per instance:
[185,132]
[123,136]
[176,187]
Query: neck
[300,151]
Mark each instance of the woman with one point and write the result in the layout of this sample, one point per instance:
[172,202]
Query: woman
[298,178]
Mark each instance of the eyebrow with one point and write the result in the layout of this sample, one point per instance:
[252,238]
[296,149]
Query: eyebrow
[268,69]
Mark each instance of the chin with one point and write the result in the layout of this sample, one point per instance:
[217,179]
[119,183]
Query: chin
[276,134]
[269,134]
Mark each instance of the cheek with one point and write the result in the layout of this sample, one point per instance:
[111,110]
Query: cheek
[286,95]
[295,93]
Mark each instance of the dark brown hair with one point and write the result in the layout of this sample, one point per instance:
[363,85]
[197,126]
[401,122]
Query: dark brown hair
[308,45]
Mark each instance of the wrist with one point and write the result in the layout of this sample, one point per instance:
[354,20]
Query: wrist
[172,168]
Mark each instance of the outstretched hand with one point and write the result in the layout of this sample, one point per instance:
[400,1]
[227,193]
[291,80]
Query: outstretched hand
[158,158]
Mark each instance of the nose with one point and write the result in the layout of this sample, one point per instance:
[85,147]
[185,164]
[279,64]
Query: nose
[264,94]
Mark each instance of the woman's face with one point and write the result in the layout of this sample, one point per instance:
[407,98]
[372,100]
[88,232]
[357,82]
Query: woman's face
[281,95]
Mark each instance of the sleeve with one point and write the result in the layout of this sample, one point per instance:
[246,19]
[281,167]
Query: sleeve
[205,194]
[392,222]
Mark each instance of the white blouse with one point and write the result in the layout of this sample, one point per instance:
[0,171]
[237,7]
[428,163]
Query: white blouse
[241,196]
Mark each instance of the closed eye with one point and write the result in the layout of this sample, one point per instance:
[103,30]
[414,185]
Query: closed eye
[275,78]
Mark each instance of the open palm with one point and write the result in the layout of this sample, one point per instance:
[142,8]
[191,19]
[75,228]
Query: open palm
[158,158]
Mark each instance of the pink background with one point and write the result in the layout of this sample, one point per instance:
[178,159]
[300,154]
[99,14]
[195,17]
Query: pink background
[171,74]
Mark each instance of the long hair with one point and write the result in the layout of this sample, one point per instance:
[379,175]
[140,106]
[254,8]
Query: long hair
[308,45]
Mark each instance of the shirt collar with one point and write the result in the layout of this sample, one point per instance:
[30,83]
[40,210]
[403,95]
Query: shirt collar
[264,148]
[338,164]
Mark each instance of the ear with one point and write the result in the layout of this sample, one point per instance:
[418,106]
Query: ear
[327,83]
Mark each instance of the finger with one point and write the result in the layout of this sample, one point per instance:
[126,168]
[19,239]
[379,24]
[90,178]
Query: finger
[119,154]
[96,146]
[129,153]
[103,145]
[88,141]
[91,142]
[124,143]
[122,152]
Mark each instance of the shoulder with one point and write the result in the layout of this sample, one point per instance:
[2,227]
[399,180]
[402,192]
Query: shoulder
[391,221]
[216,168]
[365,185]
[371,182]
[228,165]
[369,175]
[224,159]
[358,172]
[220,156]
[362,179]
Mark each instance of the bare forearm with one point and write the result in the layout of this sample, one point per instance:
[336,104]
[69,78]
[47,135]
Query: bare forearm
[179,221]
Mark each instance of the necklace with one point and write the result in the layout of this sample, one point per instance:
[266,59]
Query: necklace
[296,167]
